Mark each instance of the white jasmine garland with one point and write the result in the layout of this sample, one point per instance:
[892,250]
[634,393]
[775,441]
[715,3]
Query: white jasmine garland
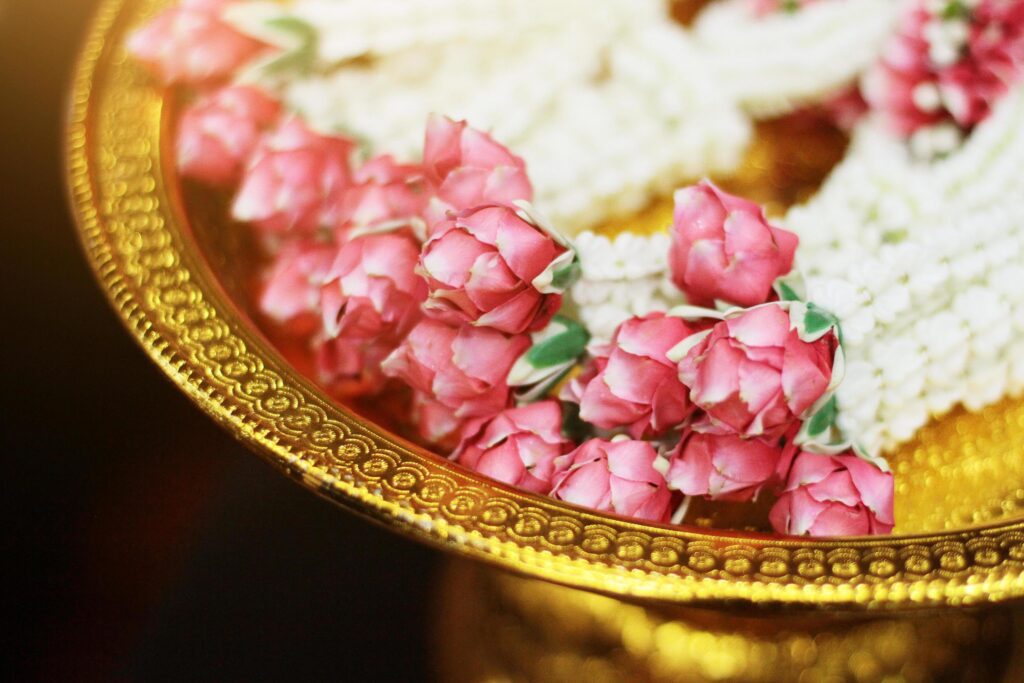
[610,108]
[915,351]
[879,192]
[777,62]
[348,29]
[621,277]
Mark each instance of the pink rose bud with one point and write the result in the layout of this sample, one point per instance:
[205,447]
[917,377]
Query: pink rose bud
[219,132]
[1009,13]
[994,61]
[614,476]
[723,466]
[370,299]
[372,290]
[296,182]
[291,293]
[351,366]
[907,50]
[518,446]
[971,88]
[924,79]
[492,267]
[899,98]
[631,383]
[465,369]
[996,40]
[900,87]
[841,495]
[190,44]
[436,423]
[997,32]
[468,168]
[724,249]
[383,191]
[962,95]
[754,376]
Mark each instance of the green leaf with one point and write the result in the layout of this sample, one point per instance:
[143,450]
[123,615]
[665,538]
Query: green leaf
[824,419]
[561,348]
[818,320]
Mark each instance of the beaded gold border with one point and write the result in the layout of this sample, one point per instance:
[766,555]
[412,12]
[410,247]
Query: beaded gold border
[136,235]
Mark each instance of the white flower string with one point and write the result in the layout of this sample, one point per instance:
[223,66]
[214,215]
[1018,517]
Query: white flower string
[610,109]
[775,63]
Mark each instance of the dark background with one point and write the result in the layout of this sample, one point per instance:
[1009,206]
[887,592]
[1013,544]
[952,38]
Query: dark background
[141,542]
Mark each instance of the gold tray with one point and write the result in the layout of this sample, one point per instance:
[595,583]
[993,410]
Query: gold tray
[960,485]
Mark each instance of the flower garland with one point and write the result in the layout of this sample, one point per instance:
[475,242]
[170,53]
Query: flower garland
[572,90]
[726,383]
[774,56]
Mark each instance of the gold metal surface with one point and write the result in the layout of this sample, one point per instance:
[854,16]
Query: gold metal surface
[497,627]
[964,470]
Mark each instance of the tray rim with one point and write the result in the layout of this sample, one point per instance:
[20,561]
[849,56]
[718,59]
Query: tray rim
[168,298]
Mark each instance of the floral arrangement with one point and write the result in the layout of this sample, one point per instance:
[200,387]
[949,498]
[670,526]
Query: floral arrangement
[631,375]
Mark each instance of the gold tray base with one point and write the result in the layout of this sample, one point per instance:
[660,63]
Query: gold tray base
[494,626]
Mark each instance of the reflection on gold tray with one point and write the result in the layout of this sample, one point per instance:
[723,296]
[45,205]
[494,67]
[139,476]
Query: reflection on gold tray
[496,627]
[172,282]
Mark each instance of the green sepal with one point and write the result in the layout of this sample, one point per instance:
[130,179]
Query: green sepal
[812,322]
[817,321]
[823,420]
[693,313]
[786,293]
[955,9]
[561,348]
[300,58]
[791,287]
[530,393]
[556,350]
[566,277]
[683,348]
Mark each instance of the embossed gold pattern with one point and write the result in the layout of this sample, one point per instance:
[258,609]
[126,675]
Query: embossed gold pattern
[138,238]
